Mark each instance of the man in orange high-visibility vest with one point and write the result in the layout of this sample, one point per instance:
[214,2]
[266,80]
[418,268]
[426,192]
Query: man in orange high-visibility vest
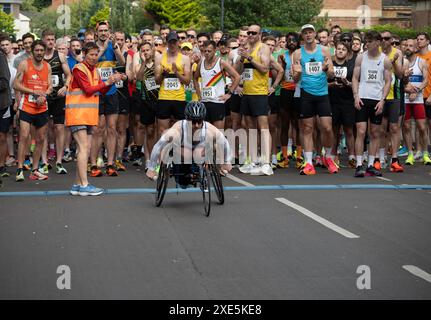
[82,112]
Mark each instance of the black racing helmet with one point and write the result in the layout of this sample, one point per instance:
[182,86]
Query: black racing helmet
[195,110]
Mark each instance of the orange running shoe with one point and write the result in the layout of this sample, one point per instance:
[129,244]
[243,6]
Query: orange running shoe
[96,172]
[330,165]
[308,170]
[377,164]
[120,166]
[111,171]
[396,167]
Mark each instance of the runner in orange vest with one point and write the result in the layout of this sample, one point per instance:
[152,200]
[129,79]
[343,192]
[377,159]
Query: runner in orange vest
[82,112]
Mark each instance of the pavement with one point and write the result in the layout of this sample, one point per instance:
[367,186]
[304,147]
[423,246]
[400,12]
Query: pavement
[280,237]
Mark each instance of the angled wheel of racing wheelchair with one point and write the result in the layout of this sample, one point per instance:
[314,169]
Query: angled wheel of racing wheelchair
[217,182]
[162,182]
[205,185]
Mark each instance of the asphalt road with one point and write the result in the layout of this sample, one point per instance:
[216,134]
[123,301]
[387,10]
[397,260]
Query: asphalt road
[280,237]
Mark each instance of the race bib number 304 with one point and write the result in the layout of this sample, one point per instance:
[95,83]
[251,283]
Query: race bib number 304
[313,68]
[171,84]
[151,84]
[372,75]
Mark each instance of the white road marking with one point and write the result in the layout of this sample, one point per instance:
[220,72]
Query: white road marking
[318,219]
[384,179]
[418,272]
[240,181]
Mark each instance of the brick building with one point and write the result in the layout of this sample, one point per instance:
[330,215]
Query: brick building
[421,13]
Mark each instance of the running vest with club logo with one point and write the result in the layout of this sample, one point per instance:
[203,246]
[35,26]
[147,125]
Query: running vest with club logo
[57,74]
[255,82]
[394,91]
[213,83]
[313,77]
[416,80]
[35,80]
[106,65]
[372,81]
[171,87]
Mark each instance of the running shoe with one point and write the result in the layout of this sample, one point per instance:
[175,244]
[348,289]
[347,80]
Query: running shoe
[247,166]
[359,172]
[318,161]
[426,158]
[11,161]
[120,166]
[90,190]
[67,157]
[51,155]
[377,164]
[403,151]
[352,163]
[308,170]
[283,164]
[3,172]
[19,175]
[44,168]
[60,169]
[267,170]
[32,146]
[27,164]
[330,165]
[396,167]
[372,171]
[280,156]
[137,162]
[100,163]
[96,172]
[75,190]
[111,171]
[418,156]
[37,175]
[300,164]
[410,160]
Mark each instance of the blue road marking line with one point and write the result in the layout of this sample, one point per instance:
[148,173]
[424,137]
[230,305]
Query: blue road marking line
[239,188]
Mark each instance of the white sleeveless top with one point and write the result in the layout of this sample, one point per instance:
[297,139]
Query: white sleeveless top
[416,80]
[213,82]
[372,80]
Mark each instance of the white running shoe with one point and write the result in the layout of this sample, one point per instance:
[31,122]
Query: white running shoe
[247,167]
[267,169]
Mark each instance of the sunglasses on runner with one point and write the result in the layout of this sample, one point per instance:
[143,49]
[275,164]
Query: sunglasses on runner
[191,36]
[291,40]
[396,43]
[252,33]
[233,48]
[182,38]
[158,44]
[386,38]
[346,40]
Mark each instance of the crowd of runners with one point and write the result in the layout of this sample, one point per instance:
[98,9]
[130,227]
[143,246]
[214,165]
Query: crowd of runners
[316,98]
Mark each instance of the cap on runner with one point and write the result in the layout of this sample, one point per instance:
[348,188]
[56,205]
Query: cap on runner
[307,26]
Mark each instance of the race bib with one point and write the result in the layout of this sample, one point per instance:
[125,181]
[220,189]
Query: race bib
[32,98]
[208,93]
[247,74]
[151,84]
[372,75]
[190,87]
[171,84]
[288,76]
[340,72]
[55,80]
[104,73]
[119,84]
[313,68]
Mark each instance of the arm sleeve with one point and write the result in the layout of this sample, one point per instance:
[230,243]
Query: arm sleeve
[85,85]
[157,150]
[221,140]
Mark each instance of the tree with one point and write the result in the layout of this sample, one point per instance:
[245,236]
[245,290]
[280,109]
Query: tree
[101,15]
[265,12]
[178,14]
[7,23]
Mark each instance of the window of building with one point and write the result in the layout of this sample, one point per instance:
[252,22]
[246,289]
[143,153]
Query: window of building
[7,8]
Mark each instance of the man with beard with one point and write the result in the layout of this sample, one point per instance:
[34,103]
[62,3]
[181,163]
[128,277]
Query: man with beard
[417,77]
[34,81]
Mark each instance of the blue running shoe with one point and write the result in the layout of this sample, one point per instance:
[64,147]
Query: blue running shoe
[75,190]
[403,151]
[90,190]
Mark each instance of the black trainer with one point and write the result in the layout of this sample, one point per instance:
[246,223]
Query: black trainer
[372,171]
[359,172]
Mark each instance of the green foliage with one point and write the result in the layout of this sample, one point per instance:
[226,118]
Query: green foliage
[395,30]
[28,5]
[7,23]
[178,14]
[41,4]
[280,13]
[100,15]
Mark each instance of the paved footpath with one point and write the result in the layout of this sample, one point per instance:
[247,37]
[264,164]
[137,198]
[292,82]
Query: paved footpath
[280,237]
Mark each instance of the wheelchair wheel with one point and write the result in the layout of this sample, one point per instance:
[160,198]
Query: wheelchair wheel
[217,182]
[162,183]
[206,190]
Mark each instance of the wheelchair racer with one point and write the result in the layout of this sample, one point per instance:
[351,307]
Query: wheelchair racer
[190,140]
